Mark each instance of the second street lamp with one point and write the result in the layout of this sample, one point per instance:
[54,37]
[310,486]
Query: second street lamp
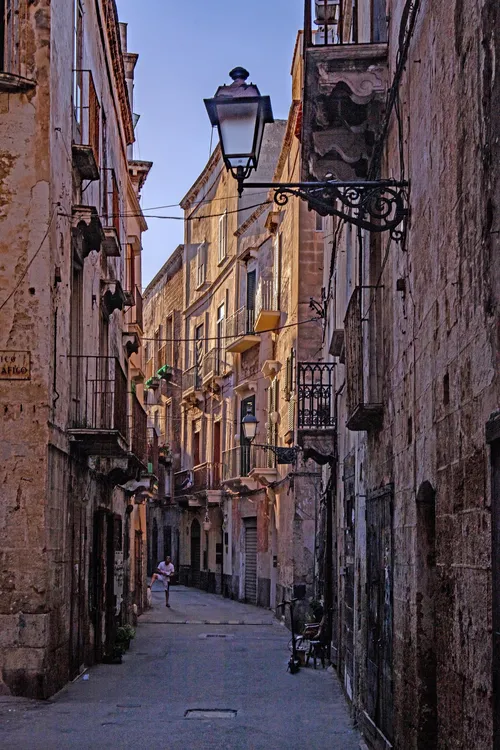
[241,114]
[249,427]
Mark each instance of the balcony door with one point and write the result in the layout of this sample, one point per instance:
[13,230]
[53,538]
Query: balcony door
[221,316]
[217,455]
[247,406]
[251,295]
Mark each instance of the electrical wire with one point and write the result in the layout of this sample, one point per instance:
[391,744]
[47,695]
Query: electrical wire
[28,265]
[181,218]
[221,338]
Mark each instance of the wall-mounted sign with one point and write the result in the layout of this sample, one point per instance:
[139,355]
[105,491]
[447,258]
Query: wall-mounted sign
[15,365]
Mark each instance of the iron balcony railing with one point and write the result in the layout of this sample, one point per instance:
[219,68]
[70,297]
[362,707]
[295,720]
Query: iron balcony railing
[183,482]
[138,429]
[344,22]
[213,363]
[239,462]
[112,214]
[207,476]
[192,379]
[266,297]
[315,395]
[240,323]
[137,310]
[86,113]
[153,451]
[99,394]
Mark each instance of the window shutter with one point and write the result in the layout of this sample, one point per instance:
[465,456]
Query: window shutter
[201,264]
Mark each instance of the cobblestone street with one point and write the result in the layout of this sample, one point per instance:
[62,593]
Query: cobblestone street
[203,653]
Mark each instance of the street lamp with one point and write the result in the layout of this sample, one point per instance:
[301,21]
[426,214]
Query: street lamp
[249,427]
[241,114]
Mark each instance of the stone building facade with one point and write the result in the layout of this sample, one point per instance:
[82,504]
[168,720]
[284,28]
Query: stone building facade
[73,453]
[412,327]
[214,315]
[163,304]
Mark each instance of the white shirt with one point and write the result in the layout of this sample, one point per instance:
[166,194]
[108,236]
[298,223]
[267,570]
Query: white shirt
[165,571]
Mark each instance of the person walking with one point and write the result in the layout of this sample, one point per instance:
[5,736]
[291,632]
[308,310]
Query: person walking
[164,572]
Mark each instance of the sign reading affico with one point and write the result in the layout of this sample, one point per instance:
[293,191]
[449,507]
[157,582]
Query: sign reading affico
[15,365]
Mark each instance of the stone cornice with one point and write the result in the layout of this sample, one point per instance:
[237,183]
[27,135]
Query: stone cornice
[113,33]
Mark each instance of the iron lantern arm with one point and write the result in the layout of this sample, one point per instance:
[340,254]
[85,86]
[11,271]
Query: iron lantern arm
[283,455]
[374,205]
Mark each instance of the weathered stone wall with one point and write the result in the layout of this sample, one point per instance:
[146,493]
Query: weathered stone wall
[435,348]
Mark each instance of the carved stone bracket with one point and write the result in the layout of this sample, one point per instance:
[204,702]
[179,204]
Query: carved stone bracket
[87,231]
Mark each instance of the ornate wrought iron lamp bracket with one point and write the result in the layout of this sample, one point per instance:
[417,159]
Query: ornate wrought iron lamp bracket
[377,205]
[283,455]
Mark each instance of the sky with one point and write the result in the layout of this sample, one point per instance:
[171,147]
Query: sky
[186,49]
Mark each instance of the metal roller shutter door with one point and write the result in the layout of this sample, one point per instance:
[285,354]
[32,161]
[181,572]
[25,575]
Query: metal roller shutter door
[251,561]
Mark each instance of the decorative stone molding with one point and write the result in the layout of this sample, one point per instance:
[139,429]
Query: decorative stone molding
[87,231]
[271,368]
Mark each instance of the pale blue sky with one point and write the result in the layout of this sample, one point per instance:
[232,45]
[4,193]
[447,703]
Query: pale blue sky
[187,48]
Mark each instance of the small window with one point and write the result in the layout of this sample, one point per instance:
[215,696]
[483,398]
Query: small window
[201,264]
[222,237]
[319,223]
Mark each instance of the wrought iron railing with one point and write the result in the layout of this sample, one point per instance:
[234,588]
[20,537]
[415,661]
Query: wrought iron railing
[192,379]
[240,324]
[213,363]
[239,462]
[99,394]
[138,429]
[112,215]
[183,482]
[266,297]
[344,22]
[137,310]
[207,476]
[315,395]
[86,113]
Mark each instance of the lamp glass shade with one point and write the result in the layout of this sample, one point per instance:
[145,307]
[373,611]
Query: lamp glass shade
[249,424]
[238,125]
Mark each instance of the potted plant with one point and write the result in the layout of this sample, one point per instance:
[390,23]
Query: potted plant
[124,635]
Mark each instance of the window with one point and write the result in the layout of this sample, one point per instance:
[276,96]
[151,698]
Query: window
[169,342]
[223,237]
[319,223]
[201,264]
[168,423]
[221,314]
[10,58]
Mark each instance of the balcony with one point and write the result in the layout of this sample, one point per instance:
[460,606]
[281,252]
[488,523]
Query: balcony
[240,331]
[138,430]
[213,366]
[267,314]
[86,126]
[344,89]
[245,465]
[136,311]
[207,476]
[364,412]
[192,385]
[112,219]
[98,417]
[315,396]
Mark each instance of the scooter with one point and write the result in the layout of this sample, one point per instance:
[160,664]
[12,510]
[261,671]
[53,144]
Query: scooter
[293,662]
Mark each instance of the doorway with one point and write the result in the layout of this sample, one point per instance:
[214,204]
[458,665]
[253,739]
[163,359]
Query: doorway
[251,560]
[195,552]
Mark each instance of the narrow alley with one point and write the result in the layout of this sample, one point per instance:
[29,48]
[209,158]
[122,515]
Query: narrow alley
[203,653]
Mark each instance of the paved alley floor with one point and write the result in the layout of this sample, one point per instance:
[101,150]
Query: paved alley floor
[205,653]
